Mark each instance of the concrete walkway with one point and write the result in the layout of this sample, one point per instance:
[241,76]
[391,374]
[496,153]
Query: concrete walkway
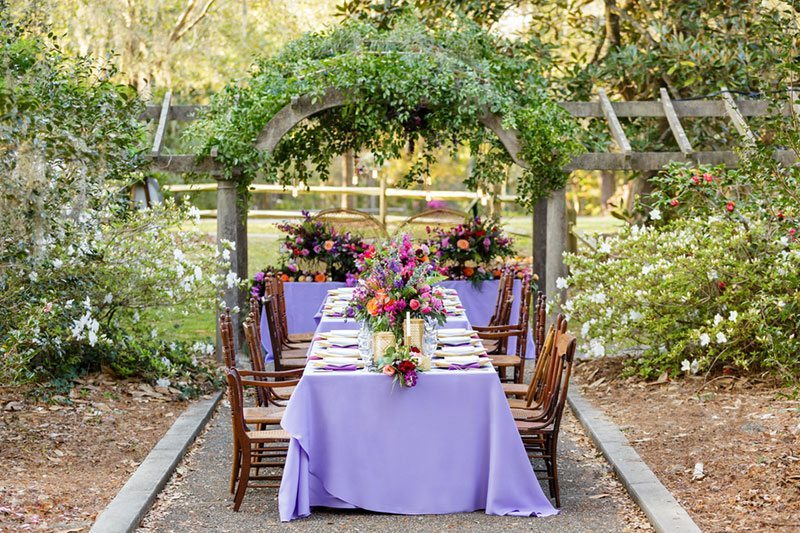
[197,498]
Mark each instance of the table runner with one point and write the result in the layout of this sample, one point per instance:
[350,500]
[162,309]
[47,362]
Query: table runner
[303,300]
[447,445]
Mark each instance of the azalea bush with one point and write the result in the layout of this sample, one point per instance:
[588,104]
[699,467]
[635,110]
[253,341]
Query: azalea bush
[84,274]
[475,250]
[711,283]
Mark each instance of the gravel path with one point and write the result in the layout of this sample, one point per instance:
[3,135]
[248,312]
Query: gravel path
[197,497]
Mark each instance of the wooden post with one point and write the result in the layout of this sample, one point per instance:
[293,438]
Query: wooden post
[382,200]
[556,243]
[540,242]
[229,226]
[348,169]
[158,140]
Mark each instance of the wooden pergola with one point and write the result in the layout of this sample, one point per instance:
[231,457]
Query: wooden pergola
[550,215]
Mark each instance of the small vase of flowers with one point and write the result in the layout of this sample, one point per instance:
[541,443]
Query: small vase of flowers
[402,364]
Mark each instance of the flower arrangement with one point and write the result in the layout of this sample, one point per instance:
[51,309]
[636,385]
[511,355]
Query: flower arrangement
[401,363]
[396,282]
[314,251]
[474,250]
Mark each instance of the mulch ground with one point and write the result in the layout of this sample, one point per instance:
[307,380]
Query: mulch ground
[727,448]
[62,462]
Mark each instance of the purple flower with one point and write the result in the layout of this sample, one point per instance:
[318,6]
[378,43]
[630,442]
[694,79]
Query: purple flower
[487,243]
[259,277]
[291,267]
[255,292]
[446,242]
[299,240]
[350,279]
[411,378]
[317,249]
[305,252]
[350,312]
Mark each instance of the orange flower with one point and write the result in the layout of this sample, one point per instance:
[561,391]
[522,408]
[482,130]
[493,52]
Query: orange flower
[372,307]
[497,273]
[285,277]
[328,245]
[463,244]
[319,278]
[469,271]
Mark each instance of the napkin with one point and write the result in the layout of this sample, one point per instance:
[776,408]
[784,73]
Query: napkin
[342,342]
[454,351]
[341,333]
[456,341]
[454,332]
[463,367]
[343,352]
[338,368]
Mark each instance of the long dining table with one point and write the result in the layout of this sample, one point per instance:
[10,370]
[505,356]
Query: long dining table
[447,445]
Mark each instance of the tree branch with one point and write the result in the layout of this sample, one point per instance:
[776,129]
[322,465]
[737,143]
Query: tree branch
[198,18]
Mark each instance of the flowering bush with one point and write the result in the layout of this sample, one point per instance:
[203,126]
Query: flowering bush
[314,251]
[397,281]
[713,283]
[474,250]
[401,363]
[83,274]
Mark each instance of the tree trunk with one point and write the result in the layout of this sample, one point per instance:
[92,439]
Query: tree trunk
[608,187]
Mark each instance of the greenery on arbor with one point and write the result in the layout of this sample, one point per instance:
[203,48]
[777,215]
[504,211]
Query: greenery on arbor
[410,89]
[83,273]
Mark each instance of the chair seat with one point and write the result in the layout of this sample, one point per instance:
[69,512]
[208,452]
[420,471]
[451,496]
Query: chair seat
[263,415]
[283,393]
[516,389]
[505,360]
[294,353]
[516,403]
[269,435]
[526,414]
[295,338]
[533,427]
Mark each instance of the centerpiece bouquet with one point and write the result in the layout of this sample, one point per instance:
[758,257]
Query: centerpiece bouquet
[475,250]
[401,363]
[396,283]
[314,251]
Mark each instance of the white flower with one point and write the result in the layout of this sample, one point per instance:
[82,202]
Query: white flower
[721,338]
[194,214]
[198,273]
[163,382]
[605,248]
[692,367]
[781,304]
[784,241]
[109,298]
[733,316]
[87,303]
[704,339]
[717,319]
[167,362]
[596,348]
[58,263]
[561,283]
[712,275]
[173,346]
[655,214]
[231,279]
[685,365]
[598,298]
[634,316]
[226,255]
[154,333]
[135,317]
[68,304]
[33,276]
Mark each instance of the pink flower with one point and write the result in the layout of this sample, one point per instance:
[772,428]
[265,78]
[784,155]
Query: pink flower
[708,177]
[425,310]
[792,232]
[730,206]
[462,244]
[414,304]
[696,179]
[388,370]
[48,307]
[674,202]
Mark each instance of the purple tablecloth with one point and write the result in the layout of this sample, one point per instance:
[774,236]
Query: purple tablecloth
[447,445]
[303,300]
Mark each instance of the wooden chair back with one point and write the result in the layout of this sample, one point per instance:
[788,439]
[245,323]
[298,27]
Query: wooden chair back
[226,338]
[355,222]
[271,313]
[540,320]
[418,224]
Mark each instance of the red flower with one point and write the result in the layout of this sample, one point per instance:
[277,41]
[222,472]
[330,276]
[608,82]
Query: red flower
[696,179]
[674,202]
[780,215]
[414,349]
[480,233]
[792,232]
[404,367]
[730,206]
[708,177]
[721,285]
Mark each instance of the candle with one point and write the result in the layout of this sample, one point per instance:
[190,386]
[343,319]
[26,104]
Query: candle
[408,324]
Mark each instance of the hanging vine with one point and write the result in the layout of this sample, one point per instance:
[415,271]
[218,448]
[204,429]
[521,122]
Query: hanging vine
[403,83]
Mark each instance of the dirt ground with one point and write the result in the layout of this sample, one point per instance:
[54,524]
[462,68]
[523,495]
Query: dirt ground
[61,462]
[727,448]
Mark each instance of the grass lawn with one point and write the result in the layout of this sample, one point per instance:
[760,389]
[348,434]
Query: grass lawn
[262,250]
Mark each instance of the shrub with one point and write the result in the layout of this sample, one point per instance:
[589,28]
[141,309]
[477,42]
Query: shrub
[83,273]
[712,281]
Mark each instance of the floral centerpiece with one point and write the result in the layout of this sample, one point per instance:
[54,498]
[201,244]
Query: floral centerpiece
[313,250]
[475,250]
[396,283]
[401,363]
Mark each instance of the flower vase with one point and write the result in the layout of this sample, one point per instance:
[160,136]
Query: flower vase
[365,343]
[429,340]
[413,332]
[381,342]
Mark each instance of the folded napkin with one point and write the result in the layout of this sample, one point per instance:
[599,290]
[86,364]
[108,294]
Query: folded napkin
[463,367]
[314,358]
[341,333]
[451,351]
[453,332]
[337,368]
[343,352]
[342,342]
[456,341]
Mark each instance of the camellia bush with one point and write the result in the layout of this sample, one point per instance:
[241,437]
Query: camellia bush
[710,283]
[84,274]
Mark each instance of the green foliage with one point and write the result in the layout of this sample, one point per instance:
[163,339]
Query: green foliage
[402,84]
[714,280]
[81,270]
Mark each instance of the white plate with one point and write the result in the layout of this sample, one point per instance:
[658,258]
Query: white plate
[340,342]
[338,362]
[454,332]
[340,333]
[456,341]
[459,351]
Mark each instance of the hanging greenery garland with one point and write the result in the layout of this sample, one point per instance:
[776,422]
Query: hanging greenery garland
[402,84]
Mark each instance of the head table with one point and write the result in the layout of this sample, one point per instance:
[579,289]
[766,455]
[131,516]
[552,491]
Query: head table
[448,445]
[304,299]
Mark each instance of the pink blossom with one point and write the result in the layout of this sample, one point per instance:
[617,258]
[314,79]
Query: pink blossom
[425,310]
[414,304]
[388,370]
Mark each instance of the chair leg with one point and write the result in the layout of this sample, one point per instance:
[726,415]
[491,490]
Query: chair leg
[243,481]
[237,457]
[557,489]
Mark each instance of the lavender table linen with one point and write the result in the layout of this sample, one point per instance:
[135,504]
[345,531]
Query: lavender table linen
[448,445]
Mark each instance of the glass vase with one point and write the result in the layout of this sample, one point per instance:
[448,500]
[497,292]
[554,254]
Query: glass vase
[430,337]
[365,343]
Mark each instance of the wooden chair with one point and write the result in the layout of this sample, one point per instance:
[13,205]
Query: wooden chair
[353,221]
[261,448]
[273,288]
[540,437]
[282,358]
[504,332]
[544,379]
[540,314]
[418,224]
[291,340]
[502,311]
